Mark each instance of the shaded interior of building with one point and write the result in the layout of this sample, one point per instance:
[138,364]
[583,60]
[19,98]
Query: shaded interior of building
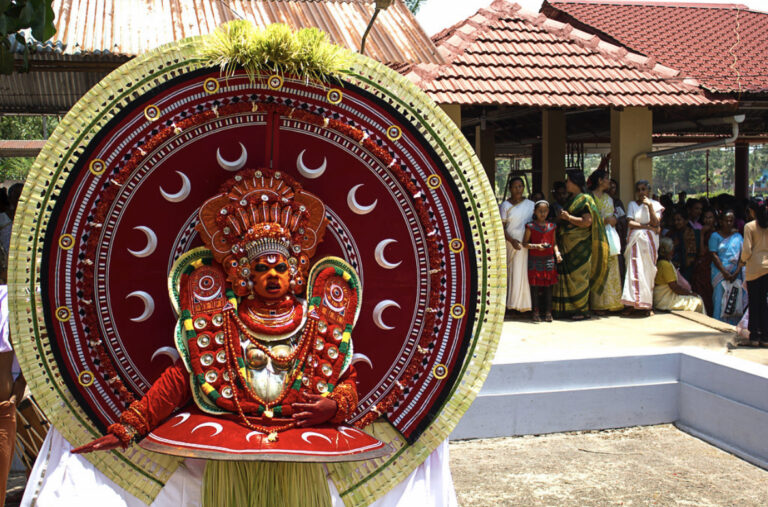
[553,139]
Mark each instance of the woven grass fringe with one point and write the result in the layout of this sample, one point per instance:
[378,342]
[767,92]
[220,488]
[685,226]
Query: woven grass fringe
[265,483]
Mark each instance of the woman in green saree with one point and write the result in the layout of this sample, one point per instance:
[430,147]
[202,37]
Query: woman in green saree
[584,247]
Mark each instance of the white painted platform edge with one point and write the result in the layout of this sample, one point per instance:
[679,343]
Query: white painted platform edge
[533,412]
[722,445]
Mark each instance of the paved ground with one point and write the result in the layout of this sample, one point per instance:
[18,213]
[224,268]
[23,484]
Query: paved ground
[655,465]
[526,340]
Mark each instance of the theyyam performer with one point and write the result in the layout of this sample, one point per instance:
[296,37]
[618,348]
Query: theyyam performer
[203,306]
[251,349]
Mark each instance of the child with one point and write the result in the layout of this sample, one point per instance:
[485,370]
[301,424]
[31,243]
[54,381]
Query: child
[540,241]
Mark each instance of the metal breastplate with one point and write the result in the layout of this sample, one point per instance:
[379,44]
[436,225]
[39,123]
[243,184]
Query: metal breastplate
[267,376]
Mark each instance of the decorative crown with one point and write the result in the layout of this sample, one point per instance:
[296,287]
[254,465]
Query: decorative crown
[257,248]
[261,211]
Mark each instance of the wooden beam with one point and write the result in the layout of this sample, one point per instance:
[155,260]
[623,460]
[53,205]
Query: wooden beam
[20,148]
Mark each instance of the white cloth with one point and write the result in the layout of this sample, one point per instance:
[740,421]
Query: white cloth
[430,484]
[514,217]
[641,255]
[60,478]
[5,333]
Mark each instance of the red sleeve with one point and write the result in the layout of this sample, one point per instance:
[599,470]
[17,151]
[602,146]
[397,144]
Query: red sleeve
[168,393]
[345,396]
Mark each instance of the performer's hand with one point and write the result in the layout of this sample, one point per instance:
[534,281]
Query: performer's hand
[564,215]
[516,244]
[105,443]
[317,410]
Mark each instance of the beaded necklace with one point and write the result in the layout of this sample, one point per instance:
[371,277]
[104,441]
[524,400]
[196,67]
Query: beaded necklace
[302,350]
[259,318]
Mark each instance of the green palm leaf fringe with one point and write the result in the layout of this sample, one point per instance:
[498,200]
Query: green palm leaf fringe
[275,49]
[265,483]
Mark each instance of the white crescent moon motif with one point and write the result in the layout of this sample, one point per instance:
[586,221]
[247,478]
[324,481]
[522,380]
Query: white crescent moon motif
[379,254]
[151,242]
[182,194]
[305,436]
[184,416]
[358,357]
[306,171]
[173,354]
[234,165]
[149,309]
[379,309]
[344,429]
[216,426]
[355,206]
[249,435]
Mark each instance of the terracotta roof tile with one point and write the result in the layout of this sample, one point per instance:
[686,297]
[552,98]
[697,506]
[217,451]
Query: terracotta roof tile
[723,46]
[504,55]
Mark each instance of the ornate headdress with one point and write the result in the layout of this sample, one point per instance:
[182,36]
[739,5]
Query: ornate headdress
[259,212]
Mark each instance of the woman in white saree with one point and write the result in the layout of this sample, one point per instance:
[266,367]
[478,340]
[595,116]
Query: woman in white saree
[515,213]
[644,215]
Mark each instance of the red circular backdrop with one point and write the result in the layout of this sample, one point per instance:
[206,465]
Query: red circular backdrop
[131,207]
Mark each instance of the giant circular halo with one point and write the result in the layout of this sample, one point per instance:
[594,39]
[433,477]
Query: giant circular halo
[112,201]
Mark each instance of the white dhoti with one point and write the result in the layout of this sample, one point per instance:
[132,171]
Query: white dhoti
[61,478]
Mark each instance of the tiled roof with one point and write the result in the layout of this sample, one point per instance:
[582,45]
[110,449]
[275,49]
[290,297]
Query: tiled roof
[505,55]
[130,27]
[724,46]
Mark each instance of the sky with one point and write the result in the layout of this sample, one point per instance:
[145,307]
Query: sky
[435,15]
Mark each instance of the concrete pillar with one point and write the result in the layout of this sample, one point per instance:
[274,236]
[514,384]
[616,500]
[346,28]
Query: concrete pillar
[552,148]
[485,147]
[741,173]
[453,111]
[631,134]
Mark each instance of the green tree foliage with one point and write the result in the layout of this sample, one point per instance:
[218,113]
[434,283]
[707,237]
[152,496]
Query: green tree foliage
[22,127]
[19,15]
[687,170]
[413,5]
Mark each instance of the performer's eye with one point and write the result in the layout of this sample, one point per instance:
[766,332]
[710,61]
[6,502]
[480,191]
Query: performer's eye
[281,268]
[260,268]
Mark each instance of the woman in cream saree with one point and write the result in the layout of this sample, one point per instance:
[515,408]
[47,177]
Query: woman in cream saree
[515,213]
[609,300]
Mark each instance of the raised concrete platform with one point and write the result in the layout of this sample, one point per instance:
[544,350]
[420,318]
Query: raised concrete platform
[570,376]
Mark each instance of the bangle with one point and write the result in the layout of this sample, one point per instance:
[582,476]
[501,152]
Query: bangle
[124,432]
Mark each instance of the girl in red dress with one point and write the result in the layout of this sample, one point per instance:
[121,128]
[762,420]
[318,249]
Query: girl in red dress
[542,255]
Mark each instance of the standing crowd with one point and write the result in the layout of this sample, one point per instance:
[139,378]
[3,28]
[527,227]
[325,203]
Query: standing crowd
[585,253]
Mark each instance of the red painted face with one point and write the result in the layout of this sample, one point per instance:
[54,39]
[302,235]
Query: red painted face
[271,276]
